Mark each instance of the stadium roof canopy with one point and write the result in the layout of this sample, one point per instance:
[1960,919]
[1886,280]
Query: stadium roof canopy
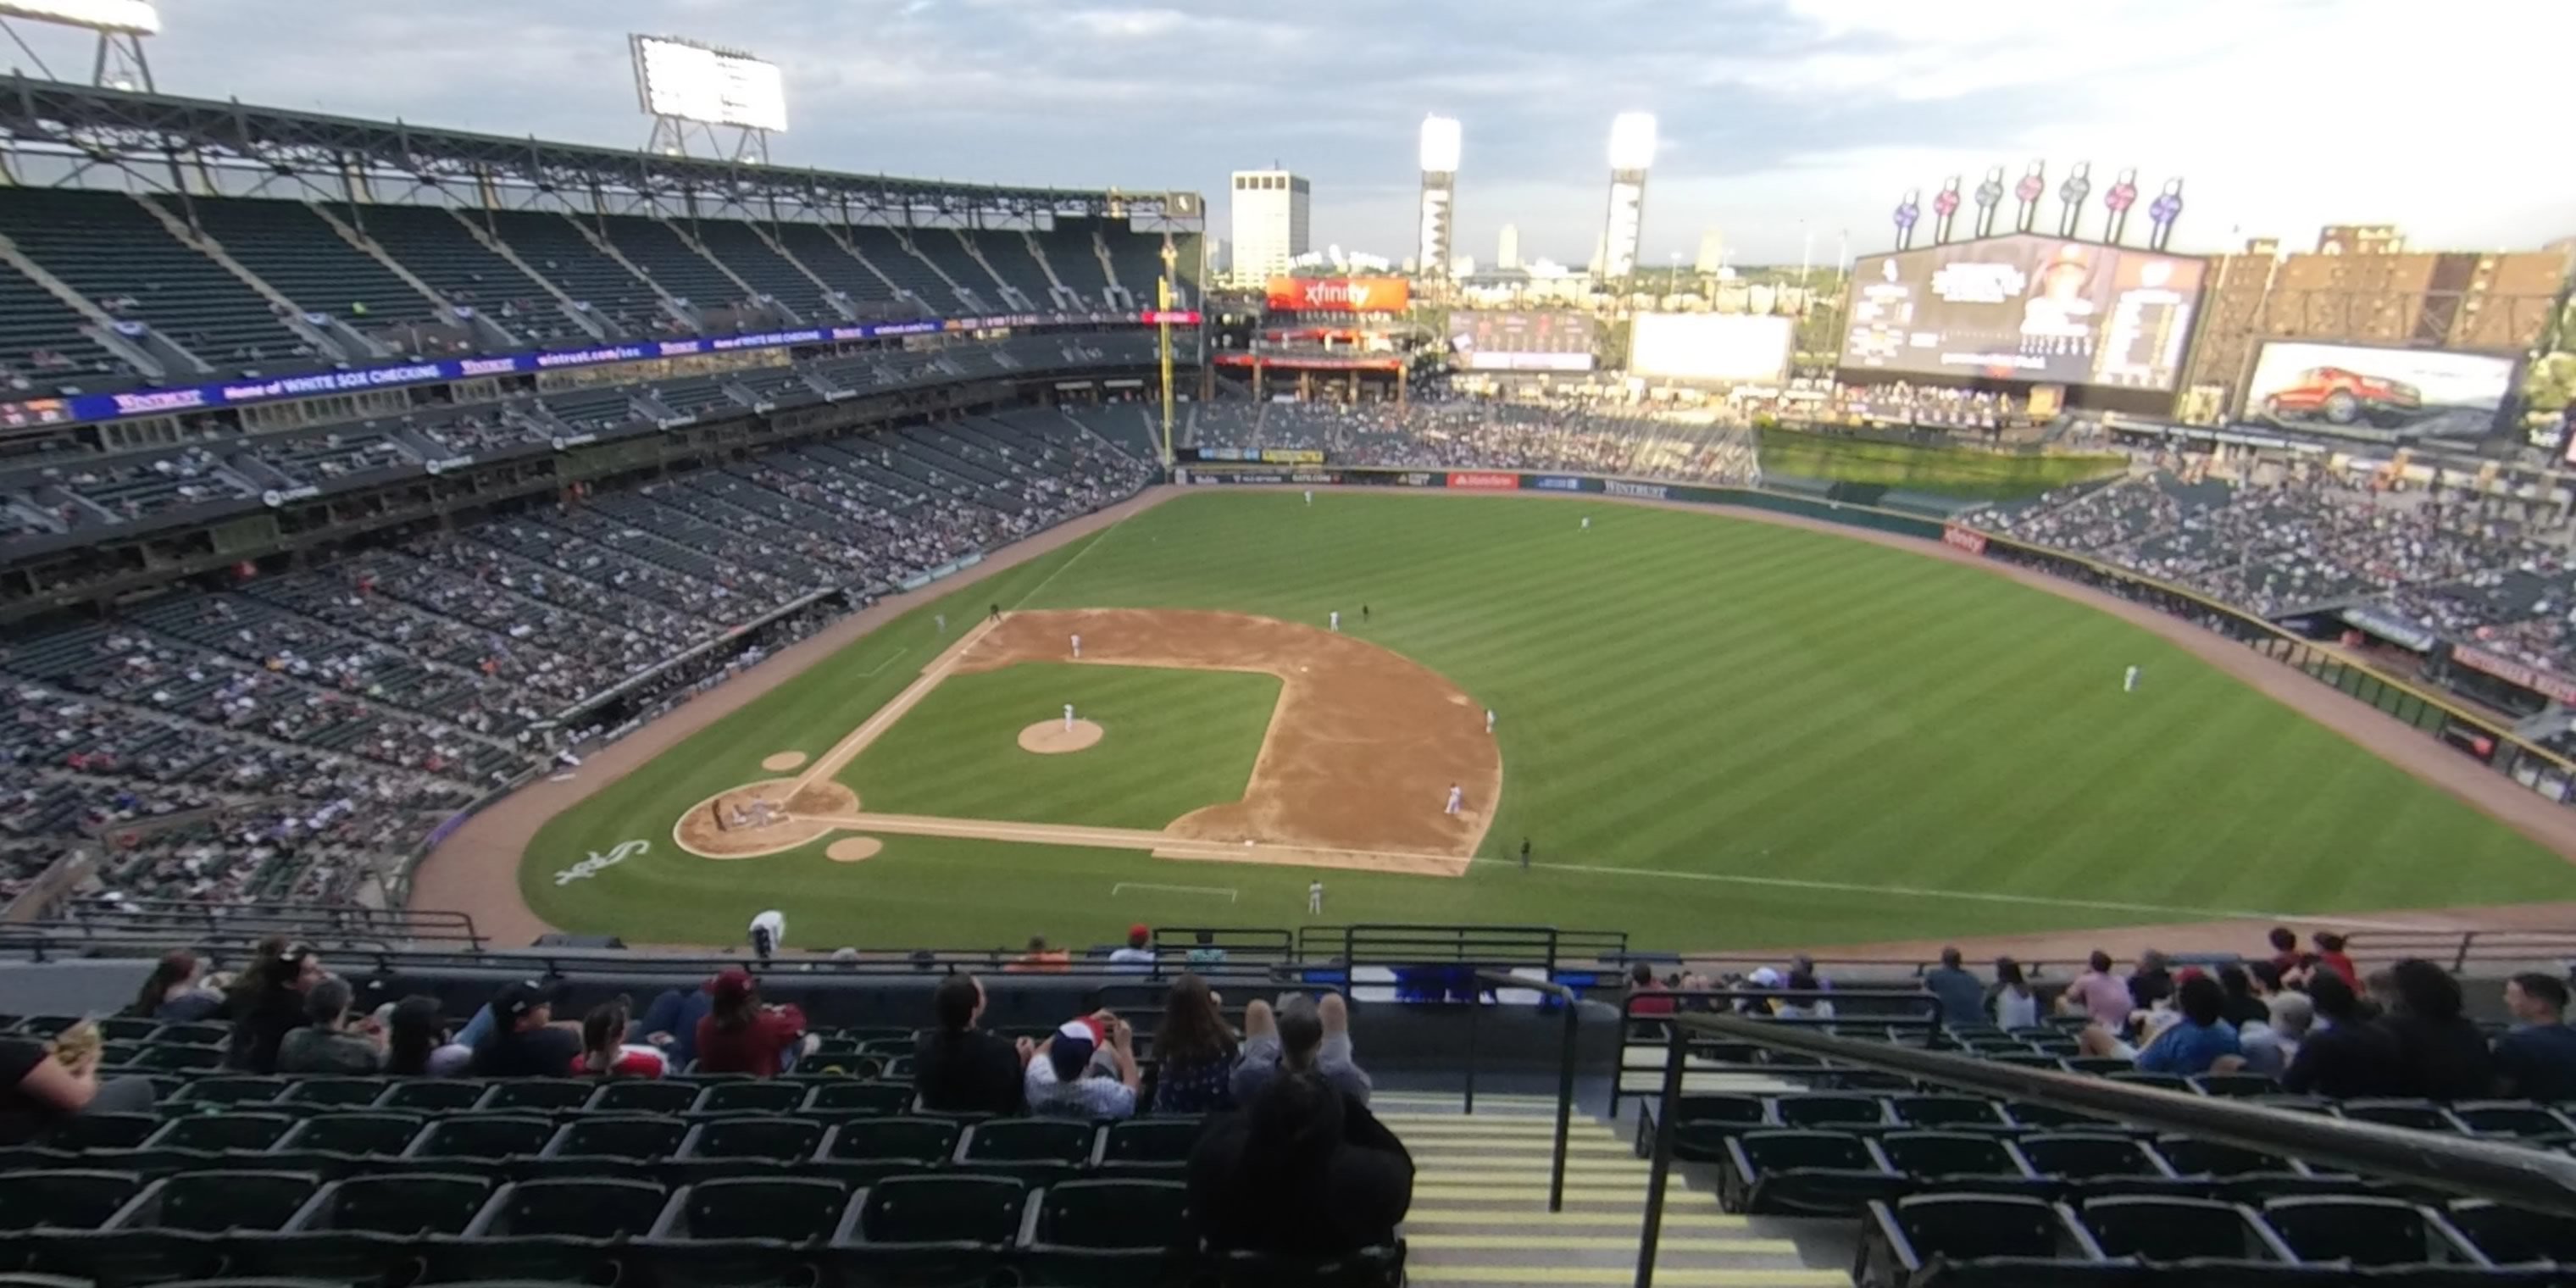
[55,133]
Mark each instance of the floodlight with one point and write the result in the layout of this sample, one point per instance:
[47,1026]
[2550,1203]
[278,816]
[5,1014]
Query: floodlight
[1632,141]
[131,17]
[1440,144]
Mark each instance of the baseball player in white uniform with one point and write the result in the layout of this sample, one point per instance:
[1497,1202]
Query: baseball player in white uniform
[1310,496]
[1077,648]
[2129,682]
[1068,717]
[1489,721]
[1457,800]
[1337,619]
[1587,523]
[942,619]
[1314,898]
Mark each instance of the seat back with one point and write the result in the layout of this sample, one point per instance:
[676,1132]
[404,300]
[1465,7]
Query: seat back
[371,1133]
[783,1209]
[2177,1229]
[430,1095]
[1964,1227]
[1935,1153]
[2365,1231]
[927,1141]
[483,1136]
[64,1200]
[541,1095]
[1114,1214]
[1027,1140]
[780,1139]
[1946,1111]
[843,1099]
[223,1131]
[102,1131]
[2078,1155]
[1826,1109]
[232,1091]
[344,1093]
[412,1204]
[638,1136]
[213,1202]
[750,1098]
[642,1098]
[1151,1142]
[2511,1236]
[2191,1156]
[1772,1151]
[942,1209]
[578,1209]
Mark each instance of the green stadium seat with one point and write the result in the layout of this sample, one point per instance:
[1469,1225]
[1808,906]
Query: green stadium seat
[205,1034]
[362,1230]
[214,1133]
[1802,1173]
[177,1057]
[2414,1115]
[1366,1268]
[2511,1236]
[742,1232]
[571,1230]
[2088,1156]
[66,1199]
[536,1095]
[178,1227]
[431,1096]
[232,1091]
[333,1093]
[667,1097]
[1152,1146]
[929,1229]
[866,1150]
[1942,1111]
[2199,1237]
[837,1100]
[1975,1238]
[739,1146]
[352,1135]
[2367,1232]
[594,1141]
[1827,1109]
[1033,1149]
[750,1098]
[2516,1118]
[2234,1084]
[82,1132]
[2191,1156]
[45,1026]
[1951,1156]
[1108,1234]
[488,1137]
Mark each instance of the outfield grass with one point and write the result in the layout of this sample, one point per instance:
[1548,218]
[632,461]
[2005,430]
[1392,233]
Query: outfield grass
[1716,733]
[1944,471]
[1172,741]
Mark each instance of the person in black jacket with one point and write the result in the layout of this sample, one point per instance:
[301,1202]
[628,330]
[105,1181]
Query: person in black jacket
[267,1003]
[2440,1053]
[958,1068]
[1304,1170]
[2344,1055]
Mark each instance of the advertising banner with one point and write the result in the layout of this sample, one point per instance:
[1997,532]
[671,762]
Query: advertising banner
[1483,481]
[1290,456]
[1637,491]
[2298,383]
[1339,295]
[1722,348]
[2548,684]
[2025,307]
[1513,341]
[1555,483]
[1968,539]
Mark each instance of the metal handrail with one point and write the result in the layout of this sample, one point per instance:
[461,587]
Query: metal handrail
[1570,1001]
[1901,999]
[2515,1175]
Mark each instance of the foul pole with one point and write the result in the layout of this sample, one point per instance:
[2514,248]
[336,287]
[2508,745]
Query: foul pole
[1163,318]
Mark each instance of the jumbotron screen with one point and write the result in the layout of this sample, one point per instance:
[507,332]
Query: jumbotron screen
[2025,307]
[1522,341]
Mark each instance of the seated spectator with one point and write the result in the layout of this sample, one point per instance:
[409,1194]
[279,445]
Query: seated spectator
[1136,956]
[2099,993]
[176,992]
[2537,1060]
[2285,950]
[1040,959]
[740,1035]
[2440,1053]
[2269,1047]
[605,1052]
[1961,994]
[2242,1006]
[2015,1006]
[417,1043]
[38,1090]
[524,1041]
[327,1043]
[1064,1080]
[2151,983]
[1304,1170]
[1302,1034]
[2330,955]
[1203,949]
[961,1069]
[1194,1052]
[2187,1046]
[1647,995]
[1802,978]
[267,1003]
[2344,1055]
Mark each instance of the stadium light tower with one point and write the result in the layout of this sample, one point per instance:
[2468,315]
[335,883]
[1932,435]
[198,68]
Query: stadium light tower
[1632,153]
[120,26]
[1440,137]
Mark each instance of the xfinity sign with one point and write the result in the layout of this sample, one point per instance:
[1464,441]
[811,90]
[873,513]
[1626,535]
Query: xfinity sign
[1338,295]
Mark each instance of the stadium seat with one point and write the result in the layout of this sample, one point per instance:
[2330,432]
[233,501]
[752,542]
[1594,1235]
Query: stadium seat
[929,1229]
[562,1229]
[177,1057]
[1827,1109]
[482,1138]
[642,1098]
[865,1150]
[205,1034]
[1942,1111]
[750,1098]
[849,1099]
[2192,1156]
[2234,1084]
[2084,1156]
[234,1091]
[177,1227]
[2367,1232]
[1153,1146]
[215,1133]
[741,1231]
[1702,1123]
[1954,1157]
[1033,1149]
[2510,1236]
[2522,1120]
[82,1132]
[586,1145]
[2414,1115]
[332,1093]
[64,1199]
[360,1230]
[1366,1268]
[1107,1234]
[2203,1236]
[1802,1173]
[431,1096]
[352,1135]
[536,1095]
[1972,1239]
[735,1146]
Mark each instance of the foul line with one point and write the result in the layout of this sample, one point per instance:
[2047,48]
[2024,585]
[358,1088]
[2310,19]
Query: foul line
[1972,896]
[889,661]
[1049,579]
[1228,891]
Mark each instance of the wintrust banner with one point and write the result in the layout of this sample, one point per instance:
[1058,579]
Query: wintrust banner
[1339,295]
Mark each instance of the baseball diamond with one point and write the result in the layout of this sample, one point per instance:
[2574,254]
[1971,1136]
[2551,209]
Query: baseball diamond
[1716,729]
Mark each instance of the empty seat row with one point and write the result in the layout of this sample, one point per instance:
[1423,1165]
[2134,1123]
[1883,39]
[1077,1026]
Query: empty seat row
[1705,1117]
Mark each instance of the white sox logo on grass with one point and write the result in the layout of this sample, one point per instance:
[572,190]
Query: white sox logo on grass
[598,862]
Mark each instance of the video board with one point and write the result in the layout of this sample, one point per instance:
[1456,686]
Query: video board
[2025,307]
[2298,382]
[1522,341]
[1717,348]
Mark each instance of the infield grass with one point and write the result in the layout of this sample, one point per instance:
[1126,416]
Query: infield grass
[1944,471]
[1716,733]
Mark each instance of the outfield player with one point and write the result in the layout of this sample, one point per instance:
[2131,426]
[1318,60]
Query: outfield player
[1587,523]
[1363,614]
[942,619]
[1489,722]
[1068,717]
[1337,619]
[1315,898]
[2129,682]
[1310,496]
[1457,800]
[1077,648]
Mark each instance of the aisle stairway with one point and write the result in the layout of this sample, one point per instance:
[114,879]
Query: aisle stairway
[1480,1206]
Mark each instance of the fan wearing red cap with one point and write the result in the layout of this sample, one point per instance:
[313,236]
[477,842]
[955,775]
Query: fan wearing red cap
[742,1036]
[1138,955]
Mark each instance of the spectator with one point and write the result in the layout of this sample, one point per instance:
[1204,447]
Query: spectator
[2099,993]
[2344,1055]
[2270,1046]
[1302,1034]
[2537,1060]
[267,1003]
[2440,1053]
[1305,1170]
[605,1052]
[176,992]
[1040,959]
[2285,950]
[961,1069]
[1647,998]
[1065,1081]
[1803,978]
[2242,1006]
[37,1089]
[417,1043]
[1961,994]
[524,1041]
[1194,1052]
[326,1043]
[1203,949]
[2015,1006]
[1135,957]
[743,1036]
[2330,954]
[2151,983]
[2203,1035]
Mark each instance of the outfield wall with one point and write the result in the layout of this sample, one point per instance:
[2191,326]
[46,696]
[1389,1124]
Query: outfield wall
[2472,734]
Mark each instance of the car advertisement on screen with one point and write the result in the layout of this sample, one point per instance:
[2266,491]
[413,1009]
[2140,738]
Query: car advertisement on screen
[2301,385]
[1521,341]
[2025,307]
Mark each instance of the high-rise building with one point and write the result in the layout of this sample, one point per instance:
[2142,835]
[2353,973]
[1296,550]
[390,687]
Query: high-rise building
[1632,153]
[1507,249]
[2360,239]
[1712,252]
[1270,210]
[1440,140]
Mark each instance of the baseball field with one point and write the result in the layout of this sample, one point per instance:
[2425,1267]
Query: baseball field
[1710,732]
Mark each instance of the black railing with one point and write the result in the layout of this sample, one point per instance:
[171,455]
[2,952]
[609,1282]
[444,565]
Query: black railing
[1571,1003]
[2519,1176]
[1424,944]
[1909,1012]
[90,923]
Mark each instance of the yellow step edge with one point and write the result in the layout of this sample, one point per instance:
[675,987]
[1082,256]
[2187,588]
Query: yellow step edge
[1665,1276]
[1573,1193]
[1632,1222]
[1597,1242]
[1431,1166]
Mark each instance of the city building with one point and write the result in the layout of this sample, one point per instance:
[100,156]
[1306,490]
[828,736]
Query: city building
[1270,223]
[1712,252]
[1507,250]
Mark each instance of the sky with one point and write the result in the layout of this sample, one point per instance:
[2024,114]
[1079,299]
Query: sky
[1786,123]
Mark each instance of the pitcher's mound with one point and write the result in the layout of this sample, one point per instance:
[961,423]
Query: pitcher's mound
[1051,738]
[853,849]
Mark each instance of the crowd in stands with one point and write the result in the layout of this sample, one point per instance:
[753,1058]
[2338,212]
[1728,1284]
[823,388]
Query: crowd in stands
[2477,572]
[284,738]
[1476,434]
